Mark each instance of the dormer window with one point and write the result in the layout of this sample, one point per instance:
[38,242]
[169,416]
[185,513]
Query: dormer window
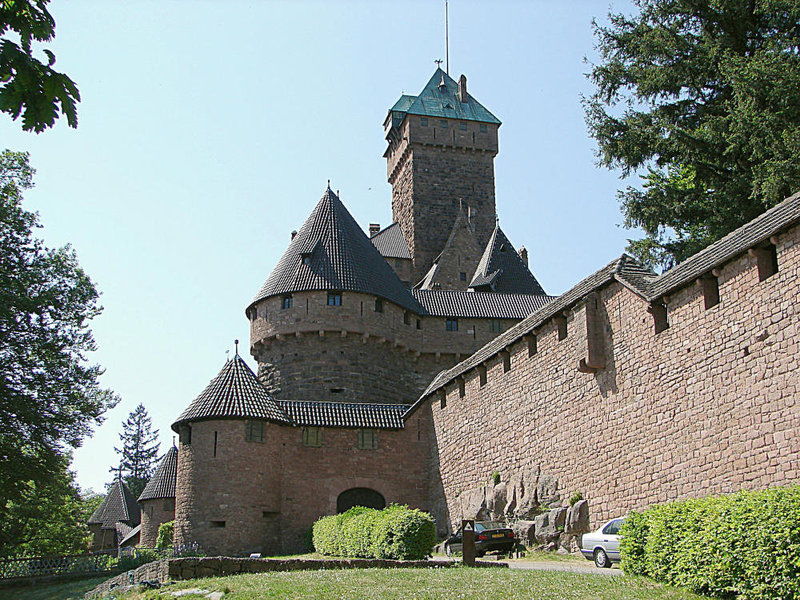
[305,259]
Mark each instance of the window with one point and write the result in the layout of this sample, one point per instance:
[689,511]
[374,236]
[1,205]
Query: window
[710,290]
[367,439]
[482,375]
[217,524]
[462,125]
[286,302]
[312,437]
[419,324]
[494,326]
[334,299]
[255,431]
[443,123]
[483,128]
[423,121]
[613,527]
[378,305]
[451,324]
[406,318]
[462,276]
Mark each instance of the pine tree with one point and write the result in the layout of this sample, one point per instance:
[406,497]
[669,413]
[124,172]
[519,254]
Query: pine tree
[139,452]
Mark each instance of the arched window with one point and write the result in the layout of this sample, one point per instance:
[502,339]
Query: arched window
[359,497]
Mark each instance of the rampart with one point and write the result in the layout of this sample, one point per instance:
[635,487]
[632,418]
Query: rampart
[633,389]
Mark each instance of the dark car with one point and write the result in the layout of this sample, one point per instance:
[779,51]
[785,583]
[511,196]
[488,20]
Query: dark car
[490,536]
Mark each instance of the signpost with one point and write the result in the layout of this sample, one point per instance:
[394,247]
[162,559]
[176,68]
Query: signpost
[468,542]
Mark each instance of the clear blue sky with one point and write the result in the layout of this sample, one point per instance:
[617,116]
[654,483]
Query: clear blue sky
[208,131]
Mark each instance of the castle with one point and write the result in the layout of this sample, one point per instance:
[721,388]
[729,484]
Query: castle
[412,364]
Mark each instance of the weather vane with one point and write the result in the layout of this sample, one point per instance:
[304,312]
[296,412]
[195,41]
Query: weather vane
[439,62]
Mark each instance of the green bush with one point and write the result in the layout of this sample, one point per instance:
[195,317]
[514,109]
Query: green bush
[165,534]
[744,545]
[575,498]
[496,477]
[137,558]
[396,532]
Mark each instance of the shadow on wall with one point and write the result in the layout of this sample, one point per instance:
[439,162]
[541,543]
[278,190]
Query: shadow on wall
[437,500]
[606,378]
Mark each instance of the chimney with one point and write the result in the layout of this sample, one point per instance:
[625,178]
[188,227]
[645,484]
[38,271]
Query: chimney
[374,228]
[294,233]
[523,254]
[462,88]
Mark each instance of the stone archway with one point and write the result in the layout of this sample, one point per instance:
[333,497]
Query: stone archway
[359,497]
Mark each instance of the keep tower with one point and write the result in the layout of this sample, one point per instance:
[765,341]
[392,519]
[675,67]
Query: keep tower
[440,160]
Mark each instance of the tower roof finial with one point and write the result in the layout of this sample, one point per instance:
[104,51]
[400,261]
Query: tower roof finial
[236,345]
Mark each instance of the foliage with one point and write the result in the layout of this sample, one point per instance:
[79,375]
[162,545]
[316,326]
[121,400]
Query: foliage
[29,86]
[496,477]
[575,498]
[166,533]
[396,532]
[137,558]
[49,396]
[139,451]
[186,550]
[49,518]
[745,545]
[701,98]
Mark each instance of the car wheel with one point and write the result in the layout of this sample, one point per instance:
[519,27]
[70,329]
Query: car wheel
[601,559]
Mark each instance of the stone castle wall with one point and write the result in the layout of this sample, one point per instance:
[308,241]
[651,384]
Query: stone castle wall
[352,353]
[434,170]
[709,405]
[269,494]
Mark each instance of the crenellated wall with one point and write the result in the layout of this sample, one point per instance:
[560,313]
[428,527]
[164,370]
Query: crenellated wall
[709,405]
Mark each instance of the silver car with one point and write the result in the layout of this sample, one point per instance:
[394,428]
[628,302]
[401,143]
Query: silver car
[602,545]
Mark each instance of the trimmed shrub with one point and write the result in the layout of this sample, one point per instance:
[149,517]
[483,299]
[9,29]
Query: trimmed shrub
[744,545]
[165,534]
[396,532]
[139,557]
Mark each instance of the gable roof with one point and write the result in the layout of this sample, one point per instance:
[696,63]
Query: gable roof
[439,98]
[341,258]
[461,244]
[391,243]
[502,268]
[162,483]
[341,414]
[119,506]
[234,393]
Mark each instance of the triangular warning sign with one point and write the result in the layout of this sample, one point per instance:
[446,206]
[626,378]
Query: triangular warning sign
[468,527]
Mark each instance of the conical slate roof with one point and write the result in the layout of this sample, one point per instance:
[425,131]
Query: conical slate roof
[119,505]
[162,483]
[331,252]
[234,393]
[502,270]
[440,98]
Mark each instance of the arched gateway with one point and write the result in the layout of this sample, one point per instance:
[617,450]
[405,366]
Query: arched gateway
[359,497]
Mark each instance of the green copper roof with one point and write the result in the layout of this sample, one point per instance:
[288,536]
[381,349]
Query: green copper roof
[440,98]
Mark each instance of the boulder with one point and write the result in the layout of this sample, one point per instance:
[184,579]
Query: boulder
[525,494]
[547,490]
[550,525]
[577,520]
[524,532]
[496,500]
[473,504]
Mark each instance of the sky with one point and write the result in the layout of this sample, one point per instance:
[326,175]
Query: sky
[207,133]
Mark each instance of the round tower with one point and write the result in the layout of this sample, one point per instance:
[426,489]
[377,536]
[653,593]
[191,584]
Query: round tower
[228,486]
[157,500]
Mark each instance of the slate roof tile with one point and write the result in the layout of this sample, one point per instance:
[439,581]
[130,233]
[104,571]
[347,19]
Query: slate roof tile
[162,483]
[502,268]
[234,393]
[119,506]
[477,305]
[391,243]
[340,414]
[342,258]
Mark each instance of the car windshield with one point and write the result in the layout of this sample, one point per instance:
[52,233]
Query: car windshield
[484,525]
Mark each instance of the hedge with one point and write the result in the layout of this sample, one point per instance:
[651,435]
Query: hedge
[396,532]
[744,545]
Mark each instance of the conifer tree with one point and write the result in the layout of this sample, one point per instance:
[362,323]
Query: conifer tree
[139,451]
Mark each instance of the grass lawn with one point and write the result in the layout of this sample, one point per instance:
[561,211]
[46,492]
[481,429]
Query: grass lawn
[377,584]
[69,590]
